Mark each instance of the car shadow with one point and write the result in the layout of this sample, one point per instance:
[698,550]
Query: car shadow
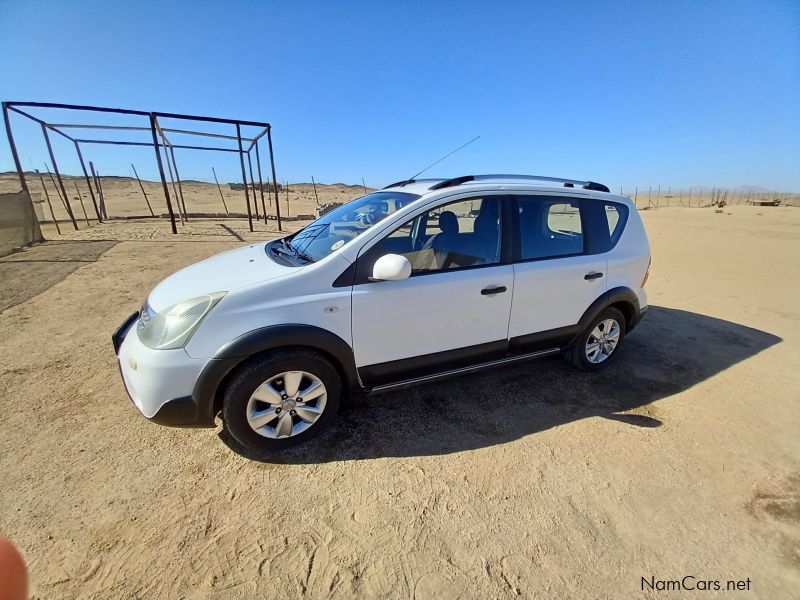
[671,351]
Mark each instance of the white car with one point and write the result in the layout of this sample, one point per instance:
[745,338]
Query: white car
[421,280]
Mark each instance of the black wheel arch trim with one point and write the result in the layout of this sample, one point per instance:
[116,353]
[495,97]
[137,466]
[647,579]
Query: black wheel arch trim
[208,386]
[178,412]
[617,295]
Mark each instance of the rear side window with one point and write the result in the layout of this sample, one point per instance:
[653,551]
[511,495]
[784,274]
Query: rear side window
[614,220]
[549,228]
[605,222]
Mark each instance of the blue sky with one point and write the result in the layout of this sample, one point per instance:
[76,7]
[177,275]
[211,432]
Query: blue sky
[626,93]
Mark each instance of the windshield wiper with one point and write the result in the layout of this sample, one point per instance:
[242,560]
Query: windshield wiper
[282,251]
[297,252]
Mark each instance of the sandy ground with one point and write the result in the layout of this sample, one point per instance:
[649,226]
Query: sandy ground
[683,458]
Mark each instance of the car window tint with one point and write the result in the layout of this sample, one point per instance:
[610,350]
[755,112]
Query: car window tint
[549,228]
[612,217]
[460,234]
[616,215]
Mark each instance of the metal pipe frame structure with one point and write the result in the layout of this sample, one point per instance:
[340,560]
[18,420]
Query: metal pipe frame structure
[156,131]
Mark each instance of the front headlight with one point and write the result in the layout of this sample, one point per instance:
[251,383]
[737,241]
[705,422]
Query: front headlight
[173,327]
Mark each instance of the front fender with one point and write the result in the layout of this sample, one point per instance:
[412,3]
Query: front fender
[209,386]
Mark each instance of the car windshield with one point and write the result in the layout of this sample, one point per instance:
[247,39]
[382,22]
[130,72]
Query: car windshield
[344,223]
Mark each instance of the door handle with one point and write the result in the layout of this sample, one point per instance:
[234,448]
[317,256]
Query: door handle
[590,276]
[492,290]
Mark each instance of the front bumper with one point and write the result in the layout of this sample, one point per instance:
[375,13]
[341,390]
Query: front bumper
[160,383]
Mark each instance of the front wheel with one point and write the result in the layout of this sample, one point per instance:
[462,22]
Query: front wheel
[597,344]
[282,399]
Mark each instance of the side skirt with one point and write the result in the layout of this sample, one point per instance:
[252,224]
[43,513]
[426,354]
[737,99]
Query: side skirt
[479,367]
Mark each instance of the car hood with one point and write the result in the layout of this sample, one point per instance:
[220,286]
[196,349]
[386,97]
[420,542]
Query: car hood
[221,273]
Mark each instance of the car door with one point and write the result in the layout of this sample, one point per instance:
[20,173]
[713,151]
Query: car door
[555,279]
[451,312]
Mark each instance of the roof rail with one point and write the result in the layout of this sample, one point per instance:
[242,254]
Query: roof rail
[587,185]
[398,184]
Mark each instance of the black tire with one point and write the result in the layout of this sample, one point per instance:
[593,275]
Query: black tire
[261,368]
[575,354]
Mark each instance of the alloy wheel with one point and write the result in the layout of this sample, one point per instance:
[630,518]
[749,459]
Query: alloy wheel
[602,341]
[286,404]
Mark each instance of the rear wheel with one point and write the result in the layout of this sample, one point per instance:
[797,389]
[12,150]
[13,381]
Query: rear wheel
[282,399]
[597,344]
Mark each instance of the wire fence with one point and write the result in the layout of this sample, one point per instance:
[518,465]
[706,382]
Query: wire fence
[697,197]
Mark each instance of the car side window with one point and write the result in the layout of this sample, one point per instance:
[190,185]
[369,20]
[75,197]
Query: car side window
[605,222]
[549,228]
[464,233]
[616,216]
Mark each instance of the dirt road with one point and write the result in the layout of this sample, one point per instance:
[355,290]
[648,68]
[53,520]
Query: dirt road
[683,458]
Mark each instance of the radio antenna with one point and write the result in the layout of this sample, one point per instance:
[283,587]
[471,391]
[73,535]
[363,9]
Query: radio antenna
[441,159]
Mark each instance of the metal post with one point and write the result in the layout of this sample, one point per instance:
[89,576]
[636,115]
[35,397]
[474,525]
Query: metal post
[253,184]
[172,181]
[244,177]
[181,211]
[274,181]
[80,197]
[364,185]
[152,214]
[99,189]
[50,204]
[14,154]
[161,172]
[88,183]
[102,195]
[225,206]
[261,184]
[314,184]
[58,176]
[178,177]
[55,187]
[288,212]
[219,188]
[636,196]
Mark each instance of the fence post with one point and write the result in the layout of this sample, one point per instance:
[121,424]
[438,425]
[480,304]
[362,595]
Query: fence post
[161,172]
[50,204]
[80,198]
[244,177]
[225,206]
[314,185]
[88,183]
[252,184]
[261,184]
[58,176]
[152,214]
[274,181]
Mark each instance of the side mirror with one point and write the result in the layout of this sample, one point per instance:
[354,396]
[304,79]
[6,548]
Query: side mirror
[391,267]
